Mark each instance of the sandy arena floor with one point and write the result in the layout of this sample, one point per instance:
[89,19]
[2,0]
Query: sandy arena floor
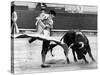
[27,57]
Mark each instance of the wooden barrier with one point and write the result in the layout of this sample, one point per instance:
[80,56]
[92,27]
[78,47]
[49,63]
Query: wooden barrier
[26,20]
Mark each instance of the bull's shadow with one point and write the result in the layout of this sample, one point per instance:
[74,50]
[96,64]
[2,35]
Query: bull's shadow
[79,65]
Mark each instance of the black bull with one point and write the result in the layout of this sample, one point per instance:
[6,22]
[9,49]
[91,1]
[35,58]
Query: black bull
[78,42]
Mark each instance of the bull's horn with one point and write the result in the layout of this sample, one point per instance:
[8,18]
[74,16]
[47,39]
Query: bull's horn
[82,45]
[71,45]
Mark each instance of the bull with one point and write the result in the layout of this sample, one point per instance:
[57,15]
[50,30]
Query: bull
[78,42]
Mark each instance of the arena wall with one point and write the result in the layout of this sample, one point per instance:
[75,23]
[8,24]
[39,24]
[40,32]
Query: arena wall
[26,20]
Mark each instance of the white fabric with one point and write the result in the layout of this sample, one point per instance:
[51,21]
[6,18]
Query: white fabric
[38,35]
[14,19]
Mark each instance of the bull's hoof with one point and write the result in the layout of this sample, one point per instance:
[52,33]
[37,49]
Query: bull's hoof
[45,65]
[75,60]
[68,62]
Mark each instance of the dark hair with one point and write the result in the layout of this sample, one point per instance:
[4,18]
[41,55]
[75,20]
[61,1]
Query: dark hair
[52,12]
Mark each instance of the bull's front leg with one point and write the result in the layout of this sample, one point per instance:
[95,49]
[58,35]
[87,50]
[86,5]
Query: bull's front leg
[73,51]
[67,59]
[85,60]
[89,52]
[66,50]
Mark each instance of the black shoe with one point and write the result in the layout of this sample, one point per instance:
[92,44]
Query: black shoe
[45,66]
[32,40]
